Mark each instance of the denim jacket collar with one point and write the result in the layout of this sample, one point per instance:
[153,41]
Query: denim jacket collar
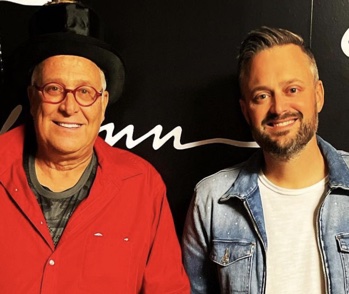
[247,181]
[337,167]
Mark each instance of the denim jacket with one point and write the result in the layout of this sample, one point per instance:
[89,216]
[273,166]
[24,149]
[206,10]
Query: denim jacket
[225,241]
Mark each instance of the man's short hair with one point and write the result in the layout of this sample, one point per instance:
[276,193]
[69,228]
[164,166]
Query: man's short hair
[265,38]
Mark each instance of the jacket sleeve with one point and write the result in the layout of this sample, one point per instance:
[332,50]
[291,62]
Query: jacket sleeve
[164,271]
[196,248]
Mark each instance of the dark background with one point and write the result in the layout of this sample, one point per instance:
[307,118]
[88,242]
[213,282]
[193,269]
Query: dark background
[180,57]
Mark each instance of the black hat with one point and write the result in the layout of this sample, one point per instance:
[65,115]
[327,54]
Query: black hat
[70,28]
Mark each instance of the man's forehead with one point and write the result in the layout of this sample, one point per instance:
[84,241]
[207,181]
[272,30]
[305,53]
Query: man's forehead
[63,68]
[67,58]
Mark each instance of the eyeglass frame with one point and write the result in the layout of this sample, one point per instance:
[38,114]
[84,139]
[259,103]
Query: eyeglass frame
[66,91]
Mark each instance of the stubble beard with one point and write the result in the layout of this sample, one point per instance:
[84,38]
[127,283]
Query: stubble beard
[289,148]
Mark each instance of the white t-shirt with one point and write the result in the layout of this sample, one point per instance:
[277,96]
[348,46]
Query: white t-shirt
[293,258]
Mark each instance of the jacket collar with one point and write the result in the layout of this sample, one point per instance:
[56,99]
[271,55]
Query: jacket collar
[337,163]
[247,181]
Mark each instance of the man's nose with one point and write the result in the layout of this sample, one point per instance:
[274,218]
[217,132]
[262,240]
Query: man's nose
[278,103]
[69,104]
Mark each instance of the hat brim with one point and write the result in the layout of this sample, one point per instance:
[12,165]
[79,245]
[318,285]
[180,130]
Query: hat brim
[42,47]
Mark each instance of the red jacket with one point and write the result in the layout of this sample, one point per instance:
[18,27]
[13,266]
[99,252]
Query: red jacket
[120,239]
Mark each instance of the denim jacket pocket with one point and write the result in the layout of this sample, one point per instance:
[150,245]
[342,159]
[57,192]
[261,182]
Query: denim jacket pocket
[234,263]
[343,242]
[343,245]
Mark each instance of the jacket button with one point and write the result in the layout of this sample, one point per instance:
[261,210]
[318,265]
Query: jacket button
[51,262]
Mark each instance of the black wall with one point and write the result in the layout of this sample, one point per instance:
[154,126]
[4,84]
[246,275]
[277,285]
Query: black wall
[180,58]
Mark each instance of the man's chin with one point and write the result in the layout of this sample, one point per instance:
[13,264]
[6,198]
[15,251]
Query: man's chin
[279,147]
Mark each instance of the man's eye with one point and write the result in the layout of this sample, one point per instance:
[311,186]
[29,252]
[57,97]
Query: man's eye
[85,91]
[53,89]
[293,90]
[260,97]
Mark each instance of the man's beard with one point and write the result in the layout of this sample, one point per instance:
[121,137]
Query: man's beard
[291,146]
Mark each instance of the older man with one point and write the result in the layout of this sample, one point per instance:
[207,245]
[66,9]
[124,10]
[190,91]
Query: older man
[279,222]
[78,216]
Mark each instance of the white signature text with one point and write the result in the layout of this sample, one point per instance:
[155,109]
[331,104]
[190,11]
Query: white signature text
[128,131]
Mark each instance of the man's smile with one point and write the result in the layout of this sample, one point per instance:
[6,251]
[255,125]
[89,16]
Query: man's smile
[281,121]
[281,124]
[68,125]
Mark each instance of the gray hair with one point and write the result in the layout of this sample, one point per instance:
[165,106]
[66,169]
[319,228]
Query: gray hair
[265,38]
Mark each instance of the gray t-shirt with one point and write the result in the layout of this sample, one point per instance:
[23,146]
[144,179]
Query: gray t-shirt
[59,206]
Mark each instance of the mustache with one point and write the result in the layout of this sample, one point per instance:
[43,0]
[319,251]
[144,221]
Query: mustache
[271,117]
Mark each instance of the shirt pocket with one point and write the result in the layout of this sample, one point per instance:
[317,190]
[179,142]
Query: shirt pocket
[233,259]
[107,262]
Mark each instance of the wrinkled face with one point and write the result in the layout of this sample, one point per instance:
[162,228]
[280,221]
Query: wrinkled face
[67,127]
[281,100]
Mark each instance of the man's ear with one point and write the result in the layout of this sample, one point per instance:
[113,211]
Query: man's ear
[320,95]
[243,106]
[105,100]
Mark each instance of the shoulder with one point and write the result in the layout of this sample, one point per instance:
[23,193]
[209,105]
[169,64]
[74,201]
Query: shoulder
[332,155]
[344,155]
[11,148]
[14,134]
[215,185]
[13,140]
[122,162]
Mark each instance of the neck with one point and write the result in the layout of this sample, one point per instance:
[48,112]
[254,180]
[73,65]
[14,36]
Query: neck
[302,170]
[61,172]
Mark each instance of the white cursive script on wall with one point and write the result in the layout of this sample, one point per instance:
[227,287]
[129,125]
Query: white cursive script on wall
[28,2]
[158,141]
[176,134]
[345,43]
[11,119]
